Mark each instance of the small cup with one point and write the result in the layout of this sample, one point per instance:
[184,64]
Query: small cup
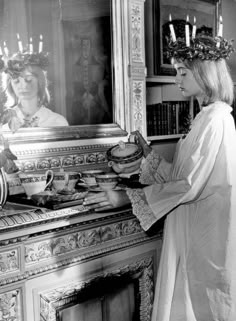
[65,180]
[107,181]
[35,183]
[88,176]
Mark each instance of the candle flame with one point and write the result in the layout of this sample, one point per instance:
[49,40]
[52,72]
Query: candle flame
[187,18]
[170,19]
[194,20]
[41,37]
[18,36]
[221,20]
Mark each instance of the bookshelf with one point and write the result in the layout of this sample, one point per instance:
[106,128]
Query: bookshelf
[168,118]
[168,113]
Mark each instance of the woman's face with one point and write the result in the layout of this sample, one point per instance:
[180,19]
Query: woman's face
[186,81]
[25,86]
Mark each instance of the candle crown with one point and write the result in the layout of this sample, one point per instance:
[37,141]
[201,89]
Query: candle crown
[19,61]
[204,47]
[14,64]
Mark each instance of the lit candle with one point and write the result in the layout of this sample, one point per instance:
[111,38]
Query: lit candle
[187,39]
[172,31]
[6,51]
[194,28]
[20,47]
[31,45]
[220,31]
[41,44]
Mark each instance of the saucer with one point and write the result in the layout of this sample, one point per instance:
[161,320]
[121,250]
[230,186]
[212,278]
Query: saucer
[99,189]
[86,186]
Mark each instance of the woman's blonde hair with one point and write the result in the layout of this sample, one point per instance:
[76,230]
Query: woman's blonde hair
[213,77]
[43,93]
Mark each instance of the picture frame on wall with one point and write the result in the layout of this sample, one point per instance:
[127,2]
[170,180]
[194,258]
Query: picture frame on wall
[206,13]
[87,46]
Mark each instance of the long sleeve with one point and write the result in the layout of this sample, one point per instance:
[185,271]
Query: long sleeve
[154,169]
[189,180]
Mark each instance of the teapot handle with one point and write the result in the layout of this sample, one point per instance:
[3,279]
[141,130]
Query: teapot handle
[49,173]
[110,163]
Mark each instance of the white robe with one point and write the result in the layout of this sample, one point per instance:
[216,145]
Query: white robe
[197,271]
[44,117]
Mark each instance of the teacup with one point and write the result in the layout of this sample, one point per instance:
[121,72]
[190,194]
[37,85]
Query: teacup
[88,176]
[107,181]
[34,183]
[65,180]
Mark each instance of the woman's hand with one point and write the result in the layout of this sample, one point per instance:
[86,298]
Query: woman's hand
[106,200]
[138,139]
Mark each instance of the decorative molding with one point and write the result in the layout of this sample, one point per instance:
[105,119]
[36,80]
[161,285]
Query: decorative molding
[137,67]
[16,222]
[57,162]
[37,216]
[14,240]
[54,247]
[137,22]
[139,71]
[138,102]
[73,260]
[63,297]
[61,150]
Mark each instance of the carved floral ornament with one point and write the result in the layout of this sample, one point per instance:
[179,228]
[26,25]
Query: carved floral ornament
[10,309]
[9,261]
[63,244]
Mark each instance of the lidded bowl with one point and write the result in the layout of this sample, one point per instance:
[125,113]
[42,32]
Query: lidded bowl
[125,157]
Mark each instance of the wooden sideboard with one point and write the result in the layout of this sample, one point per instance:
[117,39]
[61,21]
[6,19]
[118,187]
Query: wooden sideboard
[55,265]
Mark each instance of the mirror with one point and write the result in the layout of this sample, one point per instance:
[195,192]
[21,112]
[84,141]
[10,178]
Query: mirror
[99,81]
[65,25]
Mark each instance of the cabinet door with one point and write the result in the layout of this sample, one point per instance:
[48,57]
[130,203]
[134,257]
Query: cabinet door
[117,305]
[117,286]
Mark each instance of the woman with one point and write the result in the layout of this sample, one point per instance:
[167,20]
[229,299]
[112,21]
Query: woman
[197,193]
[27,92]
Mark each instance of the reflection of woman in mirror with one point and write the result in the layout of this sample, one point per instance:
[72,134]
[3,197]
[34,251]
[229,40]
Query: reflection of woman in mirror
[27,93]
[89,101]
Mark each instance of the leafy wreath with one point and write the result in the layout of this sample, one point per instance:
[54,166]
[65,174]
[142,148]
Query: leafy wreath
[202,47]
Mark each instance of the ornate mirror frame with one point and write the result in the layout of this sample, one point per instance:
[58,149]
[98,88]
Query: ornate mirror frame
[38,149]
